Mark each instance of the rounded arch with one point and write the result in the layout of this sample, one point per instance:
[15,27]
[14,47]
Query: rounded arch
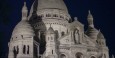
[62,56]
[93,57]
[79,55]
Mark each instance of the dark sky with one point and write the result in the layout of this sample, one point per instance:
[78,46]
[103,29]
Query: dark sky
[103,12]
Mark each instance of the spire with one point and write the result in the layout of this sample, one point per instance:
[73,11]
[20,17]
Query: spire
[90,19]
[24,12]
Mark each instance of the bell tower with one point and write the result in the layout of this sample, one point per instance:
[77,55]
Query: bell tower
[21,44]
[51,51]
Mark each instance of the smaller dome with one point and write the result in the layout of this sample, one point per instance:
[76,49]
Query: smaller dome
[92,32]
[23,28]
[50,31]
[100,36]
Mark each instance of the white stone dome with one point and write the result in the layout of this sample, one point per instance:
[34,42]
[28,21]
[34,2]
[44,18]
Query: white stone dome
[23,28]
[51,4]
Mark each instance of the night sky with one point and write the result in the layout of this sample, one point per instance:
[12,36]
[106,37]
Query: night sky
[103,12]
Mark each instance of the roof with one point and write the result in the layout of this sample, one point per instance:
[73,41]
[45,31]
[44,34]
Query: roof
[23,28]
[50,31]
[52,4]
[100,36]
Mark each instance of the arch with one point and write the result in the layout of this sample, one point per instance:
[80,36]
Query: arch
[79,55]
[63,56]
[24,49]
[93,57]
[76,36]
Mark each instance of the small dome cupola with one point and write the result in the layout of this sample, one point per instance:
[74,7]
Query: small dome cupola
[90,19]
[100,35]
[92,32]
[101,39]
[23,27]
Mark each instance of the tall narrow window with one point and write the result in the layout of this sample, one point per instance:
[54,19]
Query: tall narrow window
[62,33]
[17,49]
[22,36]
[57,34]
[28,50]
[24,49]
[15,52]
[52,51]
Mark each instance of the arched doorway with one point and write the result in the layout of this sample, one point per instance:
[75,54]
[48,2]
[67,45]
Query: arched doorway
[62,56]
[79,55]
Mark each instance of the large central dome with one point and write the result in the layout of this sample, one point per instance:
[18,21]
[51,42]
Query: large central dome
[52,4]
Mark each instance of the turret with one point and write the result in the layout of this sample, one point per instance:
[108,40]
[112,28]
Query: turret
[90,20]
[92,32]
[101,39]
[22,40]
[51,51]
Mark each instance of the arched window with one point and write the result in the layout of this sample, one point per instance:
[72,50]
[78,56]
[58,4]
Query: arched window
[76,37]
[62,33]
[92,57]
[24,49]
[62,56]
[79,55]
[28,49]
